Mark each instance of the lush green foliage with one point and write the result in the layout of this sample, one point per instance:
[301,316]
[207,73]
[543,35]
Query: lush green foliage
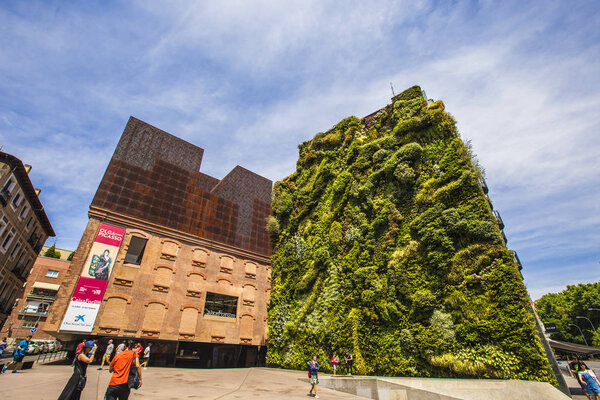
[387,248]
[51,252]
[563,309]
[70,257]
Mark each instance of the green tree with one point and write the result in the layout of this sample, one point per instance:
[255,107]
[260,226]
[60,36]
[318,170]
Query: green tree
[564,307]
[51,252]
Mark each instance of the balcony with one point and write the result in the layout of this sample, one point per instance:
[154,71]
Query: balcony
[484,186]
[41,296]
[504,237]
[35,313]
[4,197]
[499,219]
[517,261]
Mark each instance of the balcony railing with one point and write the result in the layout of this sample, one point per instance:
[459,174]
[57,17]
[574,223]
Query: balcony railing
[41,296]
[504,237]
[517,261]
[26,312]
[484,186]
[499,219]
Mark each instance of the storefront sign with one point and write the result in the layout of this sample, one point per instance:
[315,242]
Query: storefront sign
[87,297]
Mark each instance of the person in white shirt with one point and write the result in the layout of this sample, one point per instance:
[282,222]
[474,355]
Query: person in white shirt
[146,356]
[107,354]
[120,347]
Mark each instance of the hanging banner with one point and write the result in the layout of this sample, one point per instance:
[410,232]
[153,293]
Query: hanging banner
[85,303]
[89,292]
[100,260]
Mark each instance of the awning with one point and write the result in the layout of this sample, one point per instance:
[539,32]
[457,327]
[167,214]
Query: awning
[573,347]
[44,285]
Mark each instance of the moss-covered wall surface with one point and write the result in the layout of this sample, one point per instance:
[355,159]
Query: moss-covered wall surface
[384,245]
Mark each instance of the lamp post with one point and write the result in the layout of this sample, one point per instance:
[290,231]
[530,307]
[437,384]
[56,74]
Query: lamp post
[577,326]
[588,320]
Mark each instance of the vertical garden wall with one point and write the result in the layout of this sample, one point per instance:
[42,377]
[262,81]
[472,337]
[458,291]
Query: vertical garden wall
[385,245]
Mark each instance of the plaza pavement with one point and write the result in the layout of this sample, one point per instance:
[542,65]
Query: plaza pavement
[45,382]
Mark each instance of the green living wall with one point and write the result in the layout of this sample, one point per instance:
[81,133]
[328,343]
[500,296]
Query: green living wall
[385,245]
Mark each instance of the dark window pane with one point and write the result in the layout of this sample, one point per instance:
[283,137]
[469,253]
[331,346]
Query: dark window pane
[135,252]
[220,305]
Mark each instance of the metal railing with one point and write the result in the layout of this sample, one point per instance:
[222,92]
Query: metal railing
[53,356]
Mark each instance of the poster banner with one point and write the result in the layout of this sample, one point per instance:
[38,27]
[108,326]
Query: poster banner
[85,303]
[100,261]
[89,292]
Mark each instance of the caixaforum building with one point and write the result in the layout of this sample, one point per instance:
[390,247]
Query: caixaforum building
[171,256]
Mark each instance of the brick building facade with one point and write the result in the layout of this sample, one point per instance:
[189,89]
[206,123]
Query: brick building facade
[35,299]
[192,272]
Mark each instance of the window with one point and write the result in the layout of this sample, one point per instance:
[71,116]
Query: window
[135,252]
[29,221]
[24,212]
[17,200]
[220,305]
[8,240]
[16,249]
[30,322]
[8,186]
[51,274]
[3,225]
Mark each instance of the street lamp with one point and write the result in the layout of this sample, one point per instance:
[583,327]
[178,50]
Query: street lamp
[577,326]
[594,329]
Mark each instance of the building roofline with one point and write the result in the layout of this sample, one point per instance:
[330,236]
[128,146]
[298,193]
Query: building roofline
[18,169]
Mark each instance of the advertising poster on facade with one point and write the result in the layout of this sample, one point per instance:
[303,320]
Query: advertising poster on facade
[89,292]
[104,251]
[84,305]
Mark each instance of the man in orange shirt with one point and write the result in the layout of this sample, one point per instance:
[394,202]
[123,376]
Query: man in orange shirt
[118,389]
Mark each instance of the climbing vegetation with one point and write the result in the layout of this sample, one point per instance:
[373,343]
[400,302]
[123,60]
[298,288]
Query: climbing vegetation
[385,245]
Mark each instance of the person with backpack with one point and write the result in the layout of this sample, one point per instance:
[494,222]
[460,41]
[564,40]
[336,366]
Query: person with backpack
[313,374]
[126,374]
[76,383]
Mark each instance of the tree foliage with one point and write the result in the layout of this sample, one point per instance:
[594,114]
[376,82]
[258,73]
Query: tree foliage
[387,247]
[51,252]
[563,309]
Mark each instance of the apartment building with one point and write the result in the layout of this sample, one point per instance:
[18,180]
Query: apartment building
[24,227]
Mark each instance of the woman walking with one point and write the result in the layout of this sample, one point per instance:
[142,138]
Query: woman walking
[76,383]
[589,381]
[313,371]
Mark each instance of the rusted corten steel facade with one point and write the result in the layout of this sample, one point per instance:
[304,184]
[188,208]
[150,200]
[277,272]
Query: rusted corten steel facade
[155,176]
[204,236]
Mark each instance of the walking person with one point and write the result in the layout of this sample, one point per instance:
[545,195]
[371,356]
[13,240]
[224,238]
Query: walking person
[107,354]
[80,346]
[335,361]
[349,361]
[574,367]
[313,371]
[19,355]
[76,383]
[118,387]
[589,381]
[146,356]
[138,349]
[120,347]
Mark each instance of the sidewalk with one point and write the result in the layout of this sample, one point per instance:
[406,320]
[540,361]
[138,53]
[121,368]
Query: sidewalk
[45,382]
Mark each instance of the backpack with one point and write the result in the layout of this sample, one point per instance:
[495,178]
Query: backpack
[133,379]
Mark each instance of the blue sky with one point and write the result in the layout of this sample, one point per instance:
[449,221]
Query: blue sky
[250,80]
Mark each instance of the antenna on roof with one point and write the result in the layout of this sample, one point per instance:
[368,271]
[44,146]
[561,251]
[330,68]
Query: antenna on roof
[392,86]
